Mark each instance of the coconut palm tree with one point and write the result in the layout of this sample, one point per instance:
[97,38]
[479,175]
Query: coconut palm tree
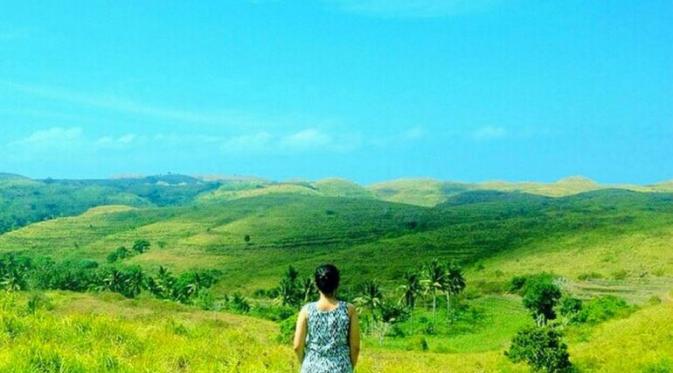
[134,282]
[454,284]
[434,282]
[114,281]
[410,290]
[165,282]
[194,286]
[292,274]
[370,298]
[308,289]
[287,292]
[13,280]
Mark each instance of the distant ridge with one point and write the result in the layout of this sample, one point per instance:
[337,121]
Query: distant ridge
[10,176]
[427,192]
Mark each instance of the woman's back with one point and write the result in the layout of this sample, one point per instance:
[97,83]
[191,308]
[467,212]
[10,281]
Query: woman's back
[327,344]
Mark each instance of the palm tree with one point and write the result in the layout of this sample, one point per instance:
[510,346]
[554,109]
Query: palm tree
[13,281]
[194,286]
[165,282]
[370,298]
[134,282]
[113,282]
[307,289]
[434,282]
[292,274]
[410,290]
[454,284]
[287,292]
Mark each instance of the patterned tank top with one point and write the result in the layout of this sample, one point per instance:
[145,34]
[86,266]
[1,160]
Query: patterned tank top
[327,348]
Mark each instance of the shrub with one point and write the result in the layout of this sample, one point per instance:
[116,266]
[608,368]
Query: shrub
[119,254]
[141,246]
[620,275]
[542,348]
[517,283]
[603,308]
[589,276]
[569,306]
[287,328]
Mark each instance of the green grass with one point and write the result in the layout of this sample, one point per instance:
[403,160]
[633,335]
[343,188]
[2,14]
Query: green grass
[487,324]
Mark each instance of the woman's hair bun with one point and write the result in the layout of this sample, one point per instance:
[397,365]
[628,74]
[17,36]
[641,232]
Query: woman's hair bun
[327,278]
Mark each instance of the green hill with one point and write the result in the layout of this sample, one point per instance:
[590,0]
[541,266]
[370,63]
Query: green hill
[600,242]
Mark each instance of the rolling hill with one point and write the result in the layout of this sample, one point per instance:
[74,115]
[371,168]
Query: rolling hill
[600,240]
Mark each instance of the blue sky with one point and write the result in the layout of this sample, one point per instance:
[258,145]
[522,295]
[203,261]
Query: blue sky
[367,90]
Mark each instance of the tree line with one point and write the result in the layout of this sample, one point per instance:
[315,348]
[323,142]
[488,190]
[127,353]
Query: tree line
[379,308]
[20,272]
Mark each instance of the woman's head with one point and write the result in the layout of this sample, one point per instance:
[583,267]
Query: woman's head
[327,278]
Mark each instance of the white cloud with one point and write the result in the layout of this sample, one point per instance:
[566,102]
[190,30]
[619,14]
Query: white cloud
[121,142]
[304,139]
[489,133]
[68,143]
[414,8]
[52,137]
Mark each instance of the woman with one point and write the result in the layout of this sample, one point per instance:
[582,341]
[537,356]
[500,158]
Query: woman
[327,339]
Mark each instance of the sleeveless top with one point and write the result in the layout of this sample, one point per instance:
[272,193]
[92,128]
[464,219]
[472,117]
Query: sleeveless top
[327,348]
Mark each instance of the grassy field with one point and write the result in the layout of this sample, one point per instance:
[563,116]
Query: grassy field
[68,332]
[598,240]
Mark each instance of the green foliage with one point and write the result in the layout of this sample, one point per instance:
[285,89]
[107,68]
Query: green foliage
[236,303]
[519,284]
[603,308]
[290,292]
[370,299]
[540,297]
[542,348]
[287,329]
[569,306]
[119,254]
[141,246]
[38,301]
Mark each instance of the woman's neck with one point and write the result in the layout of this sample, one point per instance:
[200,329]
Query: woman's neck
[331,298]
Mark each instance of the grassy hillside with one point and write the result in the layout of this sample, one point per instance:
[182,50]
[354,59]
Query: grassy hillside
[65,332]
[606,241]
[24,201]
[429,192]
[505,233]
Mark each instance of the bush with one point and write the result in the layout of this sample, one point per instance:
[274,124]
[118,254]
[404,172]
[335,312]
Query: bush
[542,348]
[589,276]
[603,308]
[569,306]
[517,283]
[119,254]
[287,328]
[620,275]
[141,246]
[236,303]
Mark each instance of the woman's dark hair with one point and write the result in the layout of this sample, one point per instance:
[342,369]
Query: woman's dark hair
[327,278]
